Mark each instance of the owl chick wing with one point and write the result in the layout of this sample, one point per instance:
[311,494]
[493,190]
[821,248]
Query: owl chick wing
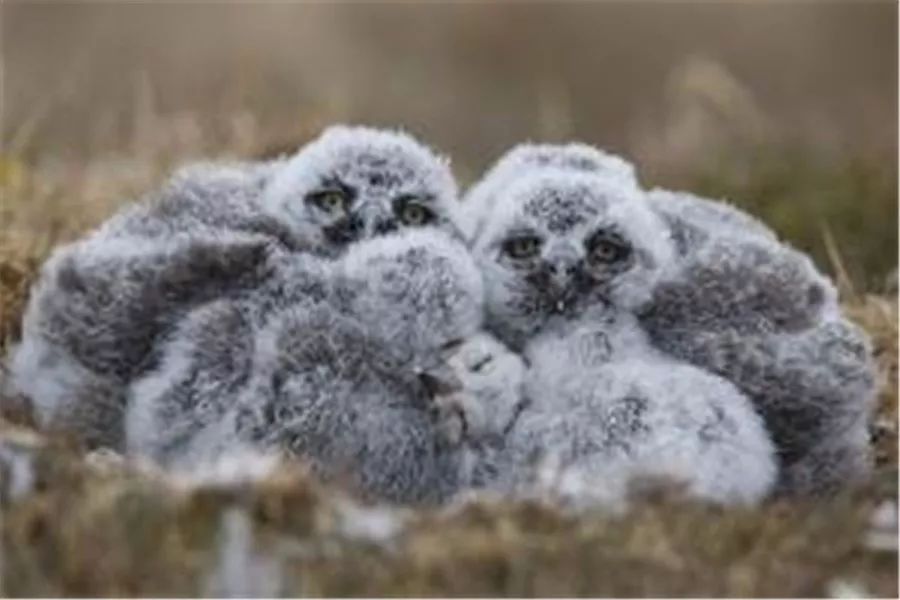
[815,388]
[750,308]
[98,311]
[337,379]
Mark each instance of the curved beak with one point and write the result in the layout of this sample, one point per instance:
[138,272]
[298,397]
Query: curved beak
[375,218]
[562,260]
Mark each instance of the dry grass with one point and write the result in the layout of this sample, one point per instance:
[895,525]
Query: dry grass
[878,315]
[94,529]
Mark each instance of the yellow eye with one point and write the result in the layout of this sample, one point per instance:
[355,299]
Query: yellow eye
[604,252]
[522,247]
[608,250]
[331,201]
[413,213]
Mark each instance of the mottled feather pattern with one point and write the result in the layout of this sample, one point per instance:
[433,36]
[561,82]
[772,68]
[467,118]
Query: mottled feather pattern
[341,305]
[337,381]
[104,304]
[732,300]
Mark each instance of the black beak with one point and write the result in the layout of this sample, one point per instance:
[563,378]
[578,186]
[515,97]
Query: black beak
[348,230]
[561,278]
[562,273]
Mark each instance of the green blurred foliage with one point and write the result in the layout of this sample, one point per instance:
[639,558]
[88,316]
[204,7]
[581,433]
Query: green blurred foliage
[806,196]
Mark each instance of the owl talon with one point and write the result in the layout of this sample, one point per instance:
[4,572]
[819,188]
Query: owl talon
[451,420]
[488,377]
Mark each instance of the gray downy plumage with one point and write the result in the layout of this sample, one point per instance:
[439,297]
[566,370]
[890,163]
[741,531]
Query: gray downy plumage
[566,258]
[351,379]
[103,304]
[737,302]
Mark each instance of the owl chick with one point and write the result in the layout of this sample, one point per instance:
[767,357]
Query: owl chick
[103,303]
[349,380]
[562,242]
[721,250]
[737,302]
[566,257]
[523,159]
[757,312]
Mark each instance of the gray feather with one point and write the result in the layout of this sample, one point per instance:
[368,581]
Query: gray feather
[339,379]
[730,299]
[103,305]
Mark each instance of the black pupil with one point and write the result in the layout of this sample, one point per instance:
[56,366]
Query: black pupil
[522,247]
[330,200]
[414,213]
[609,251]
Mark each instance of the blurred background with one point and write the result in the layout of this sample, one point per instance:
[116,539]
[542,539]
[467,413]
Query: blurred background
[788,109]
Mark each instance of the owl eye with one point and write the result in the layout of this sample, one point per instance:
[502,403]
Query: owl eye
[413,213]
[607,248]
[522,247]
[330,201]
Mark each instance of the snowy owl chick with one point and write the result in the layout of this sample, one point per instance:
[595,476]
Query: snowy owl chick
[757,312]
[103,303]
[720,250]
[525,158]
[566,256]
[741,304]
[351,381]
[558,242]
[351,183]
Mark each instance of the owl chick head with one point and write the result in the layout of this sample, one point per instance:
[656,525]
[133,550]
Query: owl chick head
[354,183]
[420,293]
[559,242]
[524,159]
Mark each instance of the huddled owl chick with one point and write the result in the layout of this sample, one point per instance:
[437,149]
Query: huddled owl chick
[523,159]
[752,309]
[566,257]
[741,304]
[350,380]
[356,183]
[351,183]
[558,242]
[810,372]
[103,303]
[718,247]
